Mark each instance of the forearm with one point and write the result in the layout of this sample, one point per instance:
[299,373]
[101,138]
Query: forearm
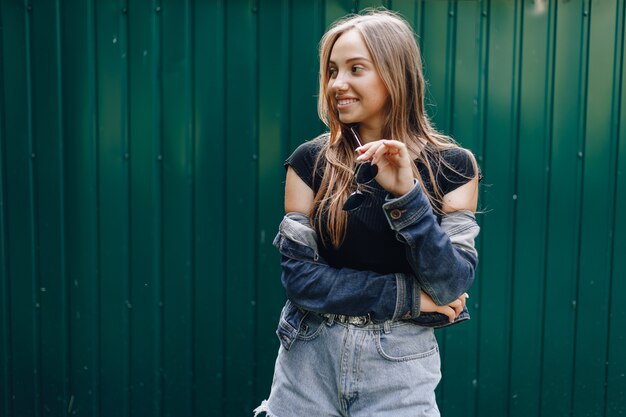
[324,289]
[314,285]
[445,269]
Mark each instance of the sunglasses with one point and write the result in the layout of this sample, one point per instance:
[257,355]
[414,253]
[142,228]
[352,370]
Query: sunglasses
[364,174]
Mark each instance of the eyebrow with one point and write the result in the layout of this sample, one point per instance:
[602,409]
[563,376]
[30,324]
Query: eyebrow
[356,58]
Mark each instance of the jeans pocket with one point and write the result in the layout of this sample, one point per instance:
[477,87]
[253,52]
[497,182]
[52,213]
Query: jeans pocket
[311,327]
[406,342]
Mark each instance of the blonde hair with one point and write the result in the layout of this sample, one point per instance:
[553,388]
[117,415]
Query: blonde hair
[396,56]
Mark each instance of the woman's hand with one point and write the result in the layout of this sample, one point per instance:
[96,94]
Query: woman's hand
[452,310]
[395,172]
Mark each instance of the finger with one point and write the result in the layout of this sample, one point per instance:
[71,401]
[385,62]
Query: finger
[383,153]
[363,148]
[392,151]
[461,299]
[366,151]
[446,311]
[398,146]
[450,313]
[457,306]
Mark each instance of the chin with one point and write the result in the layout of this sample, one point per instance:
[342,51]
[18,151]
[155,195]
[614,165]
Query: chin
[348,119]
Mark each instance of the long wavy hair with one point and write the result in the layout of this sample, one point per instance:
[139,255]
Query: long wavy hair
[396,56]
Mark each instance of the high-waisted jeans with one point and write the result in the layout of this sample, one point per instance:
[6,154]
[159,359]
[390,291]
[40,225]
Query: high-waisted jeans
[336,369]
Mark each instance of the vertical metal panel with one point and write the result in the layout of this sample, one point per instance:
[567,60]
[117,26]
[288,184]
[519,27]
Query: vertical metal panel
[209,206]
[141,164]
[51,288]
[461,342]
[531,212]
[274,88]
[597,212]
[241,197]
[24,385]
[335,9]
[307,18]
[408,9]
[436,34]
[146,210]
[616,365]
[498,225]
[5,318]
[113,203]
[563,229]
[81,195]
[178,166]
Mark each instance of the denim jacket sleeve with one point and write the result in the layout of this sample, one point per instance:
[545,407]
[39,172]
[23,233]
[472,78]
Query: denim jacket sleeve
[442,257]
[311,284]
[297,242]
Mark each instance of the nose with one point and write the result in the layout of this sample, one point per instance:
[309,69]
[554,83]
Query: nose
[339,83]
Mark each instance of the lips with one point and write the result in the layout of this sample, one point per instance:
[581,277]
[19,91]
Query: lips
[346,101]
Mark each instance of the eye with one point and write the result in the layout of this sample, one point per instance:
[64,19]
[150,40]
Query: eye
[332,72]
[357,68]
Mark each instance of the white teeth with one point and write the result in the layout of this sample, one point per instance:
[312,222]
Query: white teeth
[346,101]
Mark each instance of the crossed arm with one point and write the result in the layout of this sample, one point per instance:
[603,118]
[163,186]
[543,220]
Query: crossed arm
[299,198]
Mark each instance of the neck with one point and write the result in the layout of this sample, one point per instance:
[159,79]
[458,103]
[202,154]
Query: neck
[369,134]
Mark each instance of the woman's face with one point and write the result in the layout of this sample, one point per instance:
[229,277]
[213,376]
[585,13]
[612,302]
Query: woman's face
[359,93]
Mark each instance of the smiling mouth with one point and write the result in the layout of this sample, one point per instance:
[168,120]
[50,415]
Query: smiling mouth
[346,101]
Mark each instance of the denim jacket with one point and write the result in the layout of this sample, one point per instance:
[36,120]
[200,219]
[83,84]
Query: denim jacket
[314,286]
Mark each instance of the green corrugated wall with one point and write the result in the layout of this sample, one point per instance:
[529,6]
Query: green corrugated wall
[141,150]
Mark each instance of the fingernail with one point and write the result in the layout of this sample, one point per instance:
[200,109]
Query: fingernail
[466,296]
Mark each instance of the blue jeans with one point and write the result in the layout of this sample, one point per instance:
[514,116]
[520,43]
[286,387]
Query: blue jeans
[335,369]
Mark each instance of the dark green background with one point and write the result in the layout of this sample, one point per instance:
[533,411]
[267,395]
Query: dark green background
[141,187]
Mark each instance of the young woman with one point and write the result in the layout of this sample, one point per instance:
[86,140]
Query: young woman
[378,241]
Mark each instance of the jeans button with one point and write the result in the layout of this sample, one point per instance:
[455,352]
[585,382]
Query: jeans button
[395,214]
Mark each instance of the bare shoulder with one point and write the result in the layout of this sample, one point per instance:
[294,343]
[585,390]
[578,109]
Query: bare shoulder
[466,171]
[298,195]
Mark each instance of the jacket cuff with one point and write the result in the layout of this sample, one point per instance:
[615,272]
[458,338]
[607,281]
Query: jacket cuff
[408,297]
[407,209]
[417,298]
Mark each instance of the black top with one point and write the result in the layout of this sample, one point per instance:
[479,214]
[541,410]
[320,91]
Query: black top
[369,242]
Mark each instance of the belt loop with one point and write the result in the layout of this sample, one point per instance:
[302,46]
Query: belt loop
[387,327]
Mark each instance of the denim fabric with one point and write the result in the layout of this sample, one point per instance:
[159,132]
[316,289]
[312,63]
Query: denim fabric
[338,370]
[315,286]
[462,229]
[312,285]
[443,270]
